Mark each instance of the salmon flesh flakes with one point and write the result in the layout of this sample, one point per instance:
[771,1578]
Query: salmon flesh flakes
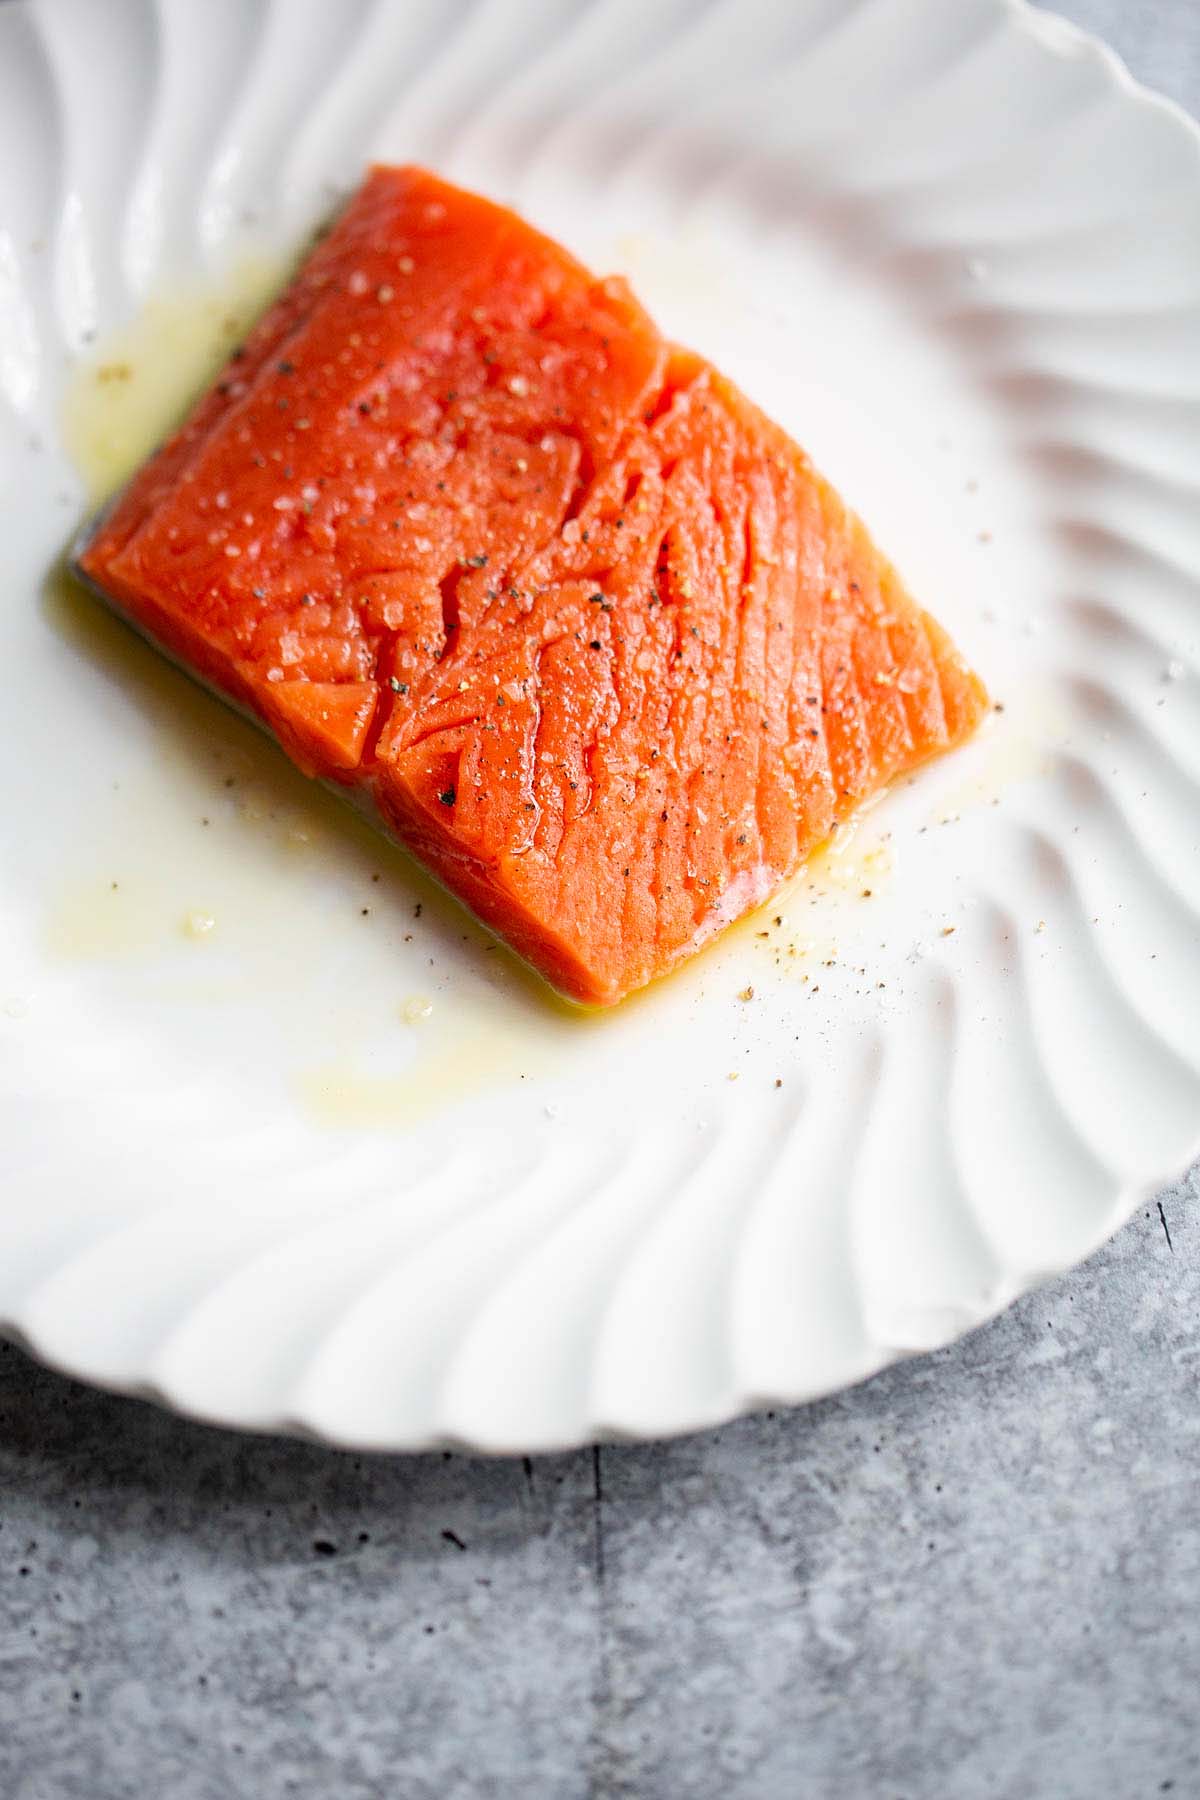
[469,536]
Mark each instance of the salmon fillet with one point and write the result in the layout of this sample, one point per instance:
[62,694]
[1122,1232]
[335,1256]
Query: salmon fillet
[591,633]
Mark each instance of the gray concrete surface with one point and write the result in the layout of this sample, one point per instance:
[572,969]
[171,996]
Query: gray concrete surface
[979,1575]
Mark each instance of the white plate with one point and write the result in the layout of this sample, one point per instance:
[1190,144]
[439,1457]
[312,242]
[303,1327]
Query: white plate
[957,252]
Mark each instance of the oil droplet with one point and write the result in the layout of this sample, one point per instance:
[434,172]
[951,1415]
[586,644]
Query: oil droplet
[845,865]
[417,1009]
[95,919]
[1016,745]
[255,805]
[136,388]
[199,924]
[301,833]
[348,1096]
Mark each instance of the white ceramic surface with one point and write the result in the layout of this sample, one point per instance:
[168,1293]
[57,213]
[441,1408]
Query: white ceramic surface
[957,252]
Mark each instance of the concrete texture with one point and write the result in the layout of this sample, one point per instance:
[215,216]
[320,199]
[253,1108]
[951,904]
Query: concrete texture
[979,1575]
[976,1576]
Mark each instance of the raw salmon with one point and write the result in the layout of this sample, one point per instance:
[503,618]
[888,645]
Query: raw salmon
[591,633]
